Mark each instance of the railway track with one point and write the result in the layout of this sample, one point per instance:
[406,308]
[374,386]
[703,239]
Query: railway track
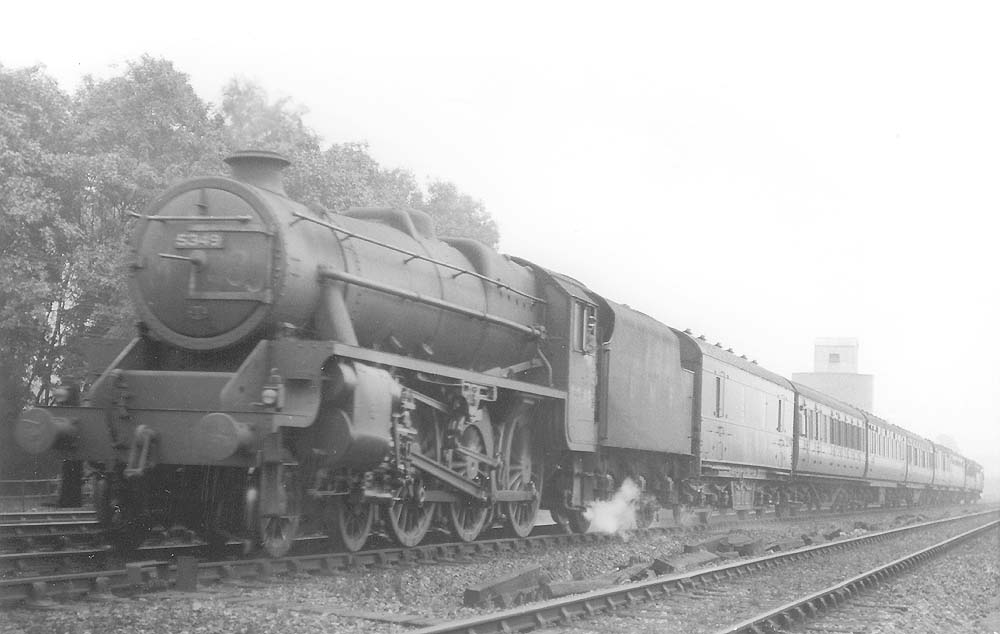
[814,604]
[687,601]
[56,539]
[48,530]
[957,591]
[163,573]
[155,566]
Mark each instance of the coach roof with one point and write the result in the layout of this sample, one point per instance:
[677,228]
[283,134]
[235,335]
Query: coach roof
[718,352]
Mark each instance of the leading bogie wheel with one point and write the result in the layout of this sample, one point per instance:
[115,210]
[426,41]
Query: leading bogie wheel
[352,522]
[409,516]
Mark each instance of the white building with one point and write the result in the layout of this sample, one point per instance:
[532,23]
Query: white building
[835,372]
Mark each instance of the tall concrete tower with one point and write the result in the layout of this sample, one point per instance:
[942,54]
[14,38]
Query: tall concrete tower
[835,372]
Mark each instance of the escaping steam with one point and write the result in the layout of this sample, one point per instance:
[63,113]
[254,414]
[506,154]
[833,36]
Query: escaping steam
[618,513]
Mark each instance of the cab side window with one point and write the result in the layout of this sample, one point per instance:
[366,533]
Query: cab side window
[584,327]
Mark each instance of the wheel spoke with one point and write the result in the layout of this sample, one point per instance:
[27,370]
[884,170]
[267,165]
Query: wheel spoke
[353,523]
[409,519]
[468,518]
[522,473]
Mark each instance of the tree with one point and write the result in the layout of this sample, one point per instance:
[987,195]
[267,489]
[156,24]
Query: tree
[75,169]
[136,134]
[36,169]
[459,214]
[342,175]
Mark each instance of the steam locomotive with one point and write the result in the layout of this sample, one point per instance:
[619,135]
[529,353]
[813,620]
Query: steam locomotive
[298,370]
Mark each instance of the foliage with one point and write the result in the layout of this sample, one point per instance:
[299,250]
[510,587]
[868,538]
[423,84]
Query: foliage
[459,214]
[34,117]
[343,175]
[75,169]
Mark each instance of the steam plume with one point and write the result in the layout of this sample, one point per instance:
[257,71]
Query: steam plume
[618,513]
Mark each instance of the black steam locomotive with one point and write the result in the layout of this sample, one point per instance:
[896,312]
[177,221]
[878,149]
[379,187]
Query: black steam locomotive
[298,370]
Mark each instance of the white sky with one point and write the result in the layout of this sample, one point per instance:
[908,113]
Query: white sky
[762,173]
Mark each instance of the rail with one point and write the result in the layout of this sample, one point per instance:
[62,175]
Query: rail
[37,491]
[795,612]
[553,612]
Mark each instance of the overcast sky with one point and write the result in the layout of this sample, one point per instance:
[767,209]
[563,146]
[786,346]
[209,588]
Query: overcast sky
[762,173]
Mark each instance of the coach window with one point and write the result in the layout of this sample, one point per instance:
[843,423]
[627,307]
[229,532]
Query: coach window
[779,416]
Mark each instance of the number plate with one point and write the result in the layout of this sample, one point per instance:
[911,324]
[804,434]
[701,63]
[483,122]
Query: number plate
[198,241]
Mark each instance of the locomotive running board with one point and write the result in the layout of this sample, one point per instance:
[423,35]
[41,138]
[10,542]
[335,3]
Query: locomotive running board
[303,360]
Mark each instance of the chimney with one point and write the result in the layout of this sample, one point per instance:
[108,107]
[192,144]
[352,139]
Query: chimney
[259,168]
